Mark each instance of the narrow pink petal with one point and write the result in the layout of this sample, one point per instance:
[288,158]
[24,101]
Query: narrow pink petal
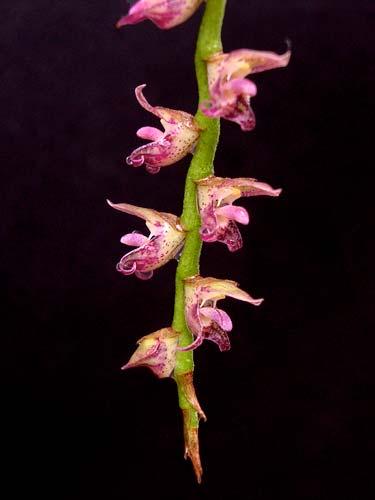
[148,214]
[219,316]
[259,60]
[255,188]
[130,19]
[143,101]
[233,212]
[242,295]
[134,239]
[136,14]
[150,133]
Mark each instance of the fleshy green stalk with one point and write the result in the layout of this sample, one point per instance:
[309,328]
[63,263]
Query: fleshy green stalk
[208,43]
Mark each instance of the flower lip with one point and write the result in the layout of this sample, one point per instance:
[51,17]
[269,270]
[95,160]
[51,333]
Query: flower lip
[219,216]
[204,319]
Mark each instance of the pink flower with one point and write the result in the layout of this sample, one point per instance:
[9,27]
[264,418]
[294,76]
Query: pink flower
[218,215]
[204,319]
[157,352]
[164,13]
[181,133]
[229,89]
[164,242]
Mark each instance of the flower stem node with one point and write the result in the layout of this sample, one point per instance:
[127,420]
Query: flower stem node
[164,242]
[165,14]
[204,319]
[156,351]
[218,214]
[230,91]
[180,136]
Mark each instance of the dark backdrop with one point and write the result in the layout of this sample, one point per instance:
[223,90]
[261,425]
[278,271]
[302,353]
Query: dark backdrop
[289,406]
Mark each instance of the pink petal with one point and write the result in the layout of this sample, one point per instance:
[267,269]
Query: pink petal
[219,316]
[238,214]
[261,60]
[143,101]
[244,296]
[150,133]
[242,86]
[134,239]
[130,19]
[231,236]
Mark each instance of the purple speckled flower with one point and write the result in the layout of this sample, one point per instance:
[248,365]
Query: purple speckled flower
[181,133]
[165,241]
[157,352]
[164,13]
[218,215]
[204,319]
[229,89]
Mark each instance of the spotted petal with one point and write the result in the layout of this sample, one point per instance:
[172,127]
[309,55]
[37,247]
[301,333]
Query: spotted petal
[181,133]
[165,241]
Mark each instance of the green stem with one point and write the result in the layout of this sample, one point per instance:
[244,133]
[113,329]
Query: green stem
[208,43]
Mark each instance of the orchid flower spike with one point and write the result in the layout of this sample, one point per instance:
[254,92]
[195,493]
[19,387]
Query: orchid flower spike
[229,89]
[157,352]
[181,133]
[165,241]
[218,215]
[204,319]
[165,14]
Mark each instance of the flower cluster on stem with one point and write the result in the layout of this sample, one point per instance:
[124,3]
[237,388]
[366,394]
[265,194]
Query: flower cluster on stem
[209,214]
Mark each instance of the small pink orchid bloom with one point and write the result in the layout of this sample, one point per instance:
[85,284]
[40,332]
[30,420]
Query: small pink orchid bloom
[165,241]
[157,352]
[181,133]
[165,14]
[218,215]
[229,89]
[204,319]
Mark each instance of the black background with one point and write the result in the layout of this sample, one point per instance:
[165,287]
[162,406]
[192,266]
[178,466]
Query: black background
[289,407]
